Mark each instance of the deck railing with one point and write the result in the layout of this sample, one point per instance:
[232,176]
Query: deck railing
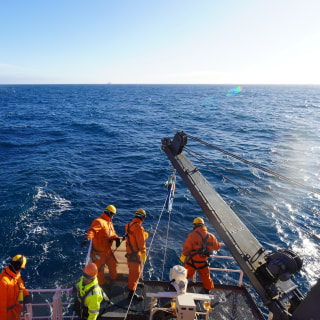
[56,305]
[225,270]
[228,270]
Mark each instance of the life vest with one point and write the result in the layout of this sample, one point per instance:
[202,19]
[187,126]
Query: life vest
[80,307]
[88,299]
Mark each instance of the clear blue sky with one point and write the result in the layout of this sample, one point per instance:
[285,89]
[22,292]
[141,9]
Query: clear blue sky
[164,41]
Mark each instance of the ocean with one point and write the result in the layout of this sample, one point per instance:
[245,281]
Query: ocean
[68,151]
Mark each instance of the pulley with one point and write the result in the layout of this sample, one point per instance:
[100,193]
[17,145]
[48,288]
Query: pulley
[283,264]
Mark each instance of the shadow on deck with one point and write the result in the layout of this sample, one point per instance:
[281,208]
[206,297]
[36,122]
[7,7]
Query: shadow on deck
[227,301]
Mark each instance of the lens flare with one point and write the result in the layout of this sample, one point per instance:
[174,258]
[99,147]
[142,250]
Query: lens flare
[210,102]
[234,91]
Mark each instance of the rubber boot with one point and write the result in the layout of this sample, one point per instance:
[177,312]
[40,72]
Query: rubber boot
[134,296]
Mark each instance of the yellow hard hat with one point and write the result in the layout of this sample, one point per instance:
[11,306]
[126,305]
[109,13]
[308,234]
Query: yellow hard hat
[19,262]
[111,209]
[140,213]
[198,221]
[90,271]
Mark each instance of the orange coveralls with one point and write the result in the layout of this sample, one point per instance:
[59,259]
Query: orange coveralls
[10,285]
[135,245]
[195,259]
[102,234]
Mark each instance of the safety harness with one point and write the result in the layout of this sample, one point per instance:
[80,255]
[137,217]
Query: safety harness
[133,256]
[203,251]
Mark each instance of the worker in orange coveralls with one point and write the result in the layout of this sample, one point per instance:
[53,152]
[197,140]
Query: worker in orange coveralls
[102,234]
[196,250]
[136,251]
[12,290]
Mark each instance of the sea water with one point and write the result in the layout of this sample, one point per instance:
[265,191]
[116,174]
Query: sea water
[68,151]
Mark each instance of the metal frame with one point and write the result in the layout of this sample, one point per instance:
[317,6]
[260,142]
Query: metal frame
[250,255]
[56,305]
[224,270]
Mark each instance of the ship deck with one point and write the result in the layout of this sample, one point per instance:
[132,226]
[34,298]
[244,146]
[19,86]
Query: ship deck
[227,301]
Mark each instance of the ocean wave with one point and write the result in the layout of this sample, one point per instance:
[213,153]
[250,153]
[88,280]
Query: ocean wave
[68,151]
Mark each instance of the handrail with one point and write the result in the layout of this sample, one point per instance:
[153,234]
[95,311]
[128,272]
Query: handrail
[47,290]
[231,270]
[224,270]
[56,305]
[228,270]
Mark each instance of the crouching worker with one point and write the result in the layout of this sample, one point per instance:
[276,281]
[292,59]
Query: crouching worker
[89,294]
[13,294]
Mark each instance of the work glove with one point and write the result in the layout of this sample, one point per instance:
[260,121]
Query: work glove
[83,243]
[118,242]
[183,258]
[144,257]
[146,235]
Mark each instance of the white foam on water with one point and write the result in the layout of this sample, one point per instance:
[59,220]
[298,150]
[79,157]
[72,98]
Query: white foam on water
[58,204]
[310,253]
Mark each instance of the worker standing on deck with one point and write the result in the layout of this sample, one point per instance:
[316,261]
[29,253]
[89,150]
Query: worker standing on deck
[102,234]
[196,250]
[89,294]
[12,290]
[136,251]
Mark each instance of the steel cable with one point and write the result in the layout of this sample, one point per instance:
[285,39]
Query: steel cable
[248,192]
[148,251]
[256,166]
[256,184]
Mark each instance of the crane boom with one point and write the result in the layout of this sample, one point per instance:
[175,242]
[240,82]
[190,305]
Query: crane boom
[269,273]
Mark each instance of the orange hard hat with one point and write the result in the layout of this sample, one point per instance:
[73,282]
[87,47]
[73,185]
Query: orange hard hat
[90,271]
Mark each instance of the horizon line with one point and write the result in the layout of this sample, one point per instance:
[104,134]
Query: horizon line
[173,84]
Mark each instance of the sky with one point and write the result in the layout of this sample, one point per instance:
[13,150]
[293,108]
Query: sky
[160,42]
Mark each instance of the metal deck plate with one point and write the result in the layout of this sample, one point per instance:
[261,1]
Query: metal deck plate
[229,302]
